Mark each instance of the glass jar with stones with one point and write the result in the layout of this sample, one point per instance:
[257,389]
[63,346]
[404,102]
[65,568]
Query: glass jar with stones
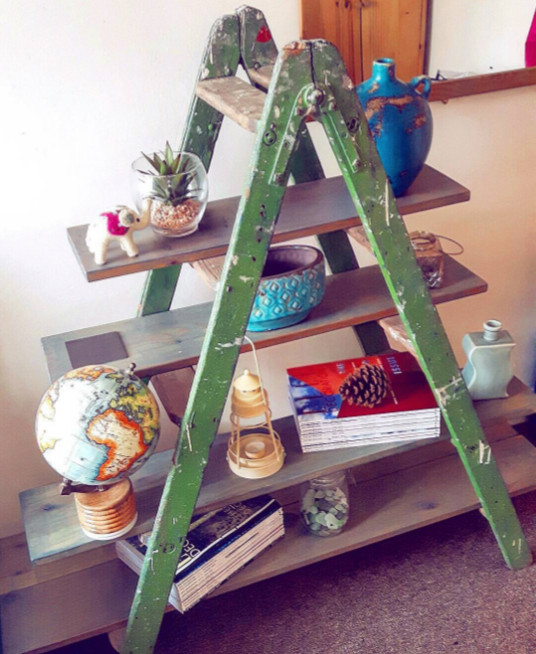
[324,504]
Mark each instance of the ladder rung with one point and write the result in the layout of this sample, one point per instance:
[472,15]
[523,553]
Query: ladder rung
[262,76]
[235,98]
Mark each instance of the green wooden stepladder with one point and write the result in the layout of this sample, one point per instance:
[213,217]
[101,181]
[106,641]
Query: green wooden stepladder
[308,80]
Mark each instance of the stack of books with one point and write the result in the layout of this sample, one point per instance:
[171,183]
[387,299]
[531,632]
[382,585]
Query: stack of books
[364,401]
[219,544]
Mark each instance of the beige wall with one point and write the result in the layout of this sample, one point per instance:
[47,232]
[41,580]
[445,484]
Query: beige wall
[86,87]
[488,143]
[479,37]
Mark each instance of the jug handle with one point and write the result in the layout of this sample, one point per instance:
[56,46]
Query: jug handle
[425,81]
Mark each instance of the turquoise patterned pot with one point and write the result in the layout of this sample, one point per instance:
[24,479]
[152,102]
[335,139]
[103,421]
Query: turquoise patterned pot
[400,121]
[291,286]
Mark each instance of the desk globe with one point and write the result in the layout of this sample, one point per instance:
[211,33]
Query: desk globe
[95,426]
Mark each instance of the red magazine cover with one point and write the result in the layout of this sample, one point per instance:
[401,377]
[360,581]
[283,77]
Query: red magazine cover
[315,389]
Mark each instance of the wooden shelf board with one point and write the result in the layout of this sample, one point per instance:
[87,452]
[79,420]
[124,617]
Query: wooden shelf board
[17,570]
[381,508]
[172,340]
[51,523]
[488,83]
[67,609]
[389,506]
[308,209]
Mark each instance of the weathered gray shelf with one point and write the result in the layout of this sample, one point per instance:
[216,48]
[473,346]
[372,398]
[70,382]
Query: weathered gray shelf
[52,527]
[311,208]
[172,340]
[382,507]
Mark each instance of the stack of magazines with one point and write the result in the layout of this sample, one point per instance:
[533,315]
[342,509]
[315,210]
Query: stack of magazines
[218,545]
[364,401]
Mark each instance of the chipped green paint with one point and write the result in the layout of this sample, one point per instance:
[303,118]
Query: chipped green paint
[385,228]
[306,165]
[257,47]
[159,290]
[293,88]
[257,215]
[221,59]
[201,132]
[202,128]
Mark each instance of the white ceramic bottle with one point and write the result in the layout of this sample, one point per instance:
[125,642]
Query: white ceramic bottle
[488,370]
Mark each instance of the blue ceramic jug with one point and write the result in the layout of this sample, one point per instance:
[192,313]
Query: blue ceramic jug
[400,121]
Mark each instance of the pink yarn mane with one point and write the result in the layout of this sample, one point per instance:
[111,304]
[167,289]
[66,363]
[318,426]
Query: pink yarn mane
[113,224]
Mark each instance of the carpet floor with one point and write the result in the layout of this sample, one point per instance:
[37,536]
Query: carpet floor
[443,589]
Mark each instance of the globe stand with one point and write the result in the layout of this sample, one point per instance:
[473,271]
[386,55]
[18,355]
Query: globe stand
[110,512]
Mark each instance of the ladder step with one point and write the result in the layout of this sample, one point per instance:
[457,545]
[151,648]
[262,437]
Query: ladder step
[234,98]
[359,236]
[261,76]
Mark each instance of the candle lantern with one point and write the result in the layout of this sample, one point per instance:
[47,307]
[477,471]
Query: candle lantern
[254,449]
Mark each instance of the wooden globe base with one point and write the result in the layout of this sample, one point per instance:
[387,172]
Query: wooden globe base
[107,514]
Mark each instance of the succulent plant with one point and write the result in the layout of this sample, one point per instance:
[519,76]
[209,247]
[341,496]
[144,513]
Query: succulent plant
[170,184]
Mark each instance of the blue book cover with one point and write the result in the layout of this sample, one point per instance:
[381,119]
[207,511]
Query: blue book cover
[212,532]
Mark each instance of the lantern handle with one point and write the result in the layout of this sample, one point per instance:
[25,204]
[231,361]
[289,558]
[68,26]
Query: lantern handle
[253,349]
[269,422]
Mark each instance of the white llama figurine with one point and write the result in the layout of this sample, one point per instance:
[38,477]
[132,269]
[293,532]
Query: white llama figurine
[118,225]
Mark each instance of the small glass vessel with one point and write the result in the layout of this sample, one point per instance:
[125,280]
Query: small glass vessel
[430,258]
[324,504]
[178,200]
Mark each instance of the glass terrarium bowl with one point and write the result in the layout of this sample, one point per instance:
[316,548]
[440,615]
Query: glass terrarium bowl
[178,200]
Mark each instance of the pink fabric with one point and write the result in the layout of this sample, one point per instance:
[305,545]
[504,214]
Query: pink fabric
[530,45]
[113,224]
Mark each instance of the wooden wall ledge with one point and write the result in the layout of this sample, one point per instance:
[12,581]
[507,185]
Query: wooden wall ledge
[448,89]
[476,84]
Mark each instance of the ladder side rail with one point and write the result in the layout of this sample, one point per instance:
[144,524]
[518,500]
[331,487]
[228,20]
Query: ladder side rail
[159,290]
[258,50]
[257,215]
[388,236]
[201,131]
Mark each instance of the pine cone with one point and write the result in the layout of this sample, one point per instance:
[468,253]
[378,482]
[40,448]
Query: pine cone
[366,386]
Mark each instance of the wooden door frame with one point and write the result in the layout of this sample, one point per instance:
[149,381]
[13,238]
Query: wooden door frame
[441,90]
